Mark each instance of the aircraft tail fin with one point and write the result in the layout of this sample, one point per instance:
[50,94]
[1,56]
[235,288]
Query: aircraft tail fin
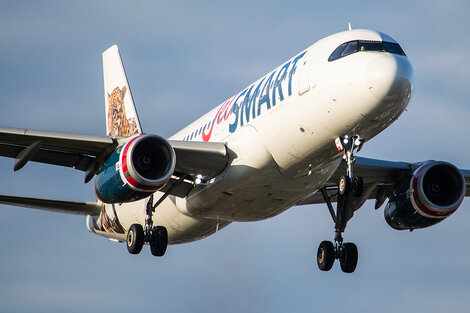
[121,116]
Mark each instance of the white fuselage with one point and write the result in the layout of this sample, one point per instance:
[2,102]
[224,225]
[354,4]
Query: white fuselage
[280,134]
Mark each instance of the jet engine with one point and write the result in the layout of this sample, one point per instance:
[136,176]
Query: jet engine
[433,192]
[135,170]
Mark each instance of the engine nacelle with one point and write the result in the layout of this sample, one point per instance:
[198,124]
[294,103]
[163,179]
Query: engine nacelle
[135,170]
[431,194]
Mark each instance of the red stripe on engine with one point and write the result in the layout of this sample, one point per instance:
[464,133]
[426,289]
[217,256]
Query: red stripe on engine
[127,176]
[125,168]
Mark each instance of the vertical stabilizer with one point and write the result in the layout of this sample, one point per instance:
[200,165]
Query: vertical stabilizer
[121,116]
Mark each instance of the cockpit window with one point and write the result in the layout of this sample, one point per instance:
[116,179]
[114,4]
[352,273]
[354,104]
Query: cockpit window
[337,53]
[393,48]
[351,47]
[371,46]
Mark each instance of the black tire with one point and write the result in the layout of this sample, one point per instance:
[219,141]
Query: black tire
[349,257]
[135,239]
[159,241]
[344,185]
[325,256]
[357,186]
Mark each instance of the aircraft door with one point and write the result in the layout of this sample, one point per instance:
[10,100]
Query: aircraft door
[307,78]
[304,70]
[289,127]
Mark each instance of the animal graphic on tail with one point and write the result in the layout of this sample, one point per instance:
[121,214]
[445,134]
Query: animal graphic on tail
[118,123]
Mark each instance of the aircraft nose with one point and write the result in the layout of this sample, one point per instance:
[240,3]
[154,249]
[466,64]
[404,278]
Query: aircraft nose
[389,75]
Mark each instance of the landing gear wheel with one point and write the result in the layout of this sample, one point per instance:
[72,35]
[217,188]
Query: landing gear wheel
[325,256]
[135,239]
[348,259]
[344,185]
[357,186]
[158,241]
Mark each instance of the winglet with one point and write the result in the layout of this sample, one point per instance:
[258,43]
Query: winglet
[121,116]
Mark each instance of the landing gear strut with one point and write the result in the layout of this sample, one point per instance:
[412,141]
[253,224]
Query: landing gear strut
[349,186]
[156,237]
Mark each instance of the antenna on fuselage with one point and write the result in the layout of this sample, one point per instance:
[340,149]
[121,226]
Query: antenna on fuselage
[349,26]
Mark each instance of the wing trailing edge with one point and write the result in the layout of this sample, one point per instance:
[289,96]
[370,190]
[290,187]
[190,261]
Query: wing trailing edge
[380,174]
[88,152]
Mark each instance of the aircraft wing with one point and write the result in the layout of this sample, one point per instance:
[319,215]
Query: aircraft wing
[379,179]
[70,150]
[88,152]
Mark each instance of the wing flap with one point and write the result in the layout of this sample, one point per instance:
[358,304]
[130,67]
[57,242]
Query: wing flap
[74,150]
[372,170]
[67,159]
[57,141]
[381,175]
[203,159]
[379,178]
[63,149]
[70,207]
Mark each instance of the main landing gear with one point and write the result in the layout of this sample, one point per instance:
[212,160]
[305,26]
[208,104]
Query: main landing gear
[156,237]
[349,187]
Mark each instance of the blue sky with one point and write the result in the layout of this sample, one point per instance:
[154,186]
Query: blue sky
[183,58]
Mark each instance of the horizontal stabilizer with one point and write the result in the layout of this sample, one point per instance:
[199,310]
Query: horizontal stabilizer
[70,207]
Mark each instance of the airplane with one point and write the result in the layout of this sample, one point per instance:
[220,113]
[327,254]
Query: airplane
[288,139]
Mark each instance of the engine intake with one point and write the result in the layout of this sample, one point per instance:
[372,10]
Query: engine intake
[431,194]
[135,170]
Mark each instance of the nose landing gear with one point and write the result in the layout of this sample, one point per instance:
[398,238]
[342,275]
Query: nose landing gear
[349,186]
